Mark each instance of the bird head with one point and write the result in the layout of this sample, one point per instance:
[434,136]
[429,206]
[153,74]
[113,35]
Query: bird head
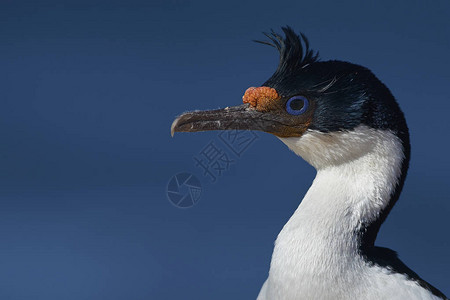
[310,105]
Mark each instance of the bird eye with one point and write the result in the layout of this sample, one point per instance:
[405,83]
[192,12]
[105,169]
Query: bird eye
[297,105]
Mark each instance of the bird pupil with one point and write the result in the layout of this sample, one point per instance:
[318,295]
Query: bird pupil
[297,104]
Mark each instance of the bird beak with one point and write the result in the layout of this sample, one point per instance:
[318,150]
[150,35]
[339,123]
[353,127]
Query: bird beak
[242,117]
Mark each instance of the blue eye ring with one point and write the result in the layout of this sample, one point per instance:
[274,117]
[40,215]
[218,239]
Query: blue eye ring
[293,105]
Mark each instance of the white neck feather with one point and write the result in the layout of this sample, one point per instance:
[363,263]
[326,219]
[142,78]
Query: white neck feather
[359,169]
[357,172]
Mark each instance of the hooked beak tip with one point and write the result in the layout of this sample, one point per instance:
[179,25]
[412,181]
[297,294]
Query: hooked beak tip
[174,124]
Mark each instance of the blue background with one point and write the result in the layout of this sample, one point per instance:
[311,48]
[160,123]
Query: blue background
[88,91]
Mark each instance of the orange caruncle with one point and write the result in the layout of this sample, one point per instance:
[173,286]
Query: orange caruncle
[261,97]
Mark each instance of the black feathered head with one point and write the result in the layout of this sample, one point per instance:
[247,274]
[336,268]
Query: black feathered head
[304,94]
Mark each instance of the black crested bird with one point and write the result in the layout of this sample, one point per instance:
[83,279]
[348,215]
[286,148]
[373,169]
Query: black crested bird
[343,121]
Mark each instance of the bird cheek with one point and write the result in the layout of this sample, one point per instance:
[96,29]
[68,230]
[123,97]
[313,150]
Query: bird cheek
[294,126]
[291,131]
